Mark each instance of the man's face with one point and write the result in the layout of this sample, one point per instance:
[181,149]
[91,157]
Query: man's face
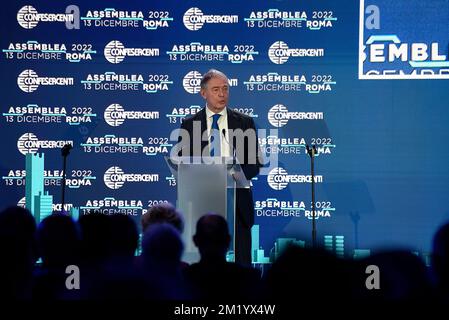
[216,93]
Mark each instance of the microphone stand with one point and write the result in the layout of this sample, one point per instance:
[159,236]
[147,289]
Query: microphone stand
[65,151]
[355,217]
[223,131]
[311,152]
[232,172]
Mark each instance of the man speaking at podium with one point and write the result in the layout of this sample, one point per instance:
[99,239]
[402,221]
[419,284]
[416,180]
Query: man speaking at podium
[228,133]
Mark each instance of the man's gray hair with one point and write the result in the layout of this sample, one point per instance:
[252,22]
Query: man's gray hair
[212,73]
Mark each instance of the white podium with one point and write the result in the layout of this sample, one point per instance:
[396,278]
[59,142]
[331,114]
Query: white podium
[206,184]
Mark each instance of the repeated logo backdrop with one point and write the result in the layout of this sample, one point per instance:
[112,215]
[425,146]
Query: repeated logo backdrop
[116,79]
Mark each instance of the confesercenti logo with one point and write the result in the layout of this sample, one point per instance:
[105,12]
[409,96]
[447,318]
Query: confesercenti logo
[115,52]
[28,17]
[191,82]
[28,81]
[279,115]
[115,115]
[194,19]
[29,143]
[279,52]
[115,178]
[278,178]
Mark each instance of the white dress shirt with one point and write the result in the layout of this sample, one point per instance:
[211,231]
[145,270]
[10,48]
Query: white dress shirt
[222,124]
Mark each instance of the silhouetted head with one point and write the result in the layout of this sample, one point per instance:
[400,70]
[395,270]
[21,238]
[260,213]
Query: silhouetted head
[162,245]
[212,236]
[124,235]
[305,273]
[96,237]
[164,212]
[17,232]
[58,241]
[17,222]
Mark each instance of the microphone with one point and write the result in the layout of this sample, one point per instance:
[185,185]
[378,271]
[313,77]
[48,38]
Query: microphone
[65,152]
[66,149]
[235,172]
[223,131]
[311,151]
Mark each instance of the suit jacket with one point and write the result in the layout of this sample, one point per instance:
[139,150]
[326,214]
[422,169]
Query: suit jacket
[236,120]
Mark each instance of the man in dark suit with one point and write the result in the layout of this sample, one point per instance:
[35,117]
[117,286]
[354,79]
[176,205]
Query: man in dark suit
[217,130]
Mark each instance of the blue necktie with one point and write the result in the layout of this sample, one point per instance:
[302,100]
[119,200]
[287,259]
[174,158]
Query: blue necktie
[215,145]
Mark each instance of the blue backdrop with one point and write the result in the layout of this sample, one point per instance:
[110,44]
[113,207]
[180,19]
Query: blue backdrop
[363,80]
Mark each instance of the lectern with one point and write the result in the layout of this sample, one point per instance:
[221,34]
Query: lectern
[206,184]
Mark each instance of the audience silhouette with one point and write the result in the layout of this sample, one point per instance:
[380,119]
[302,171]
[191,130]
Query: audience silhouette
[104,247]
[18,253]
[213,278]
